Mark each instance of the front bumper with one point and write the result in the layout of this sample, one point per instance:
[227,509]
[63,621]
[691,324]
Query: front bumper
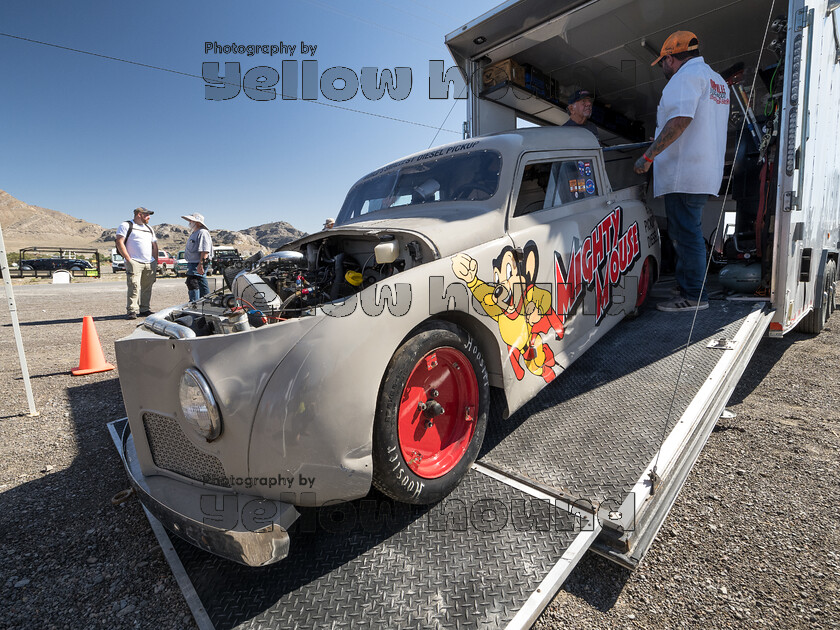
[246,529]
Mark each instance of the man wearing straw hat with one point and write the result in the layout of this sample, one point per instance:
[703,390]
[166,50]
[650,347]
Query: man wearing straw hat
[197,253]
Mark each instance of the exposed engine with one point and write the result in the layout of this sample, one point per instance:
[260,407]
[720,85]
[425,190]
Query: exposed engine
[294,283]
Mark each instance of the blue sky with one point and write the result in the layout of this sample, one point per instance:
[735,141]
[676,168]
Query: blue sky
[95,137]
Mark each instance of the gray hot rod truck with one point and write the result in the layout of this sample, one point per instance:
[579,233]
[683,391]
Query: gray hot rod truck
[365,354]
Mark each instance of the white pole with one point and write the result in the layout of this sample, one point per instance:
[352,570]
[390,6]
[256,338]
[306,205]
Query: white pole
[4,265]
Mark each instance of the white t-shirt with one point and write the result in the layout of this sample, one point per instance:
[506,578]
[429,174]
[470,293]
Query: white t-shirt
[694,162]
[139,242]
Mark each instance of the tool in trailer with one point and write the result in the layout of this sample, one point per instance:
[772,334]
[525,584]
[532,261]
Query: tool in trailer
[733,77]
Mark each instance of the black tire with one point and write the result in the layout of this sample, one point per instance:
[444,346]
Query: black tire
[393,474]
[814,322]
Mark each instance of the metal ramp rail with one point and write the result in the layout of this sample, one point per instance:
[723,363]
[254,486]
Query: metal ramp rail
[566,472]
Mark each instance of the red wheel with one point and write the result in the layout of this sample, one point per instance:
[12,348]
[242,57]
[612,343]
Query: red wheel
[437,412]
[431,415]
[644,283]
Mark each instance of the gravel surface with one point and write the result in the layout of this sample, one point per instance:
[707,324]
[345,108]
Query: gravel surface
[752,539]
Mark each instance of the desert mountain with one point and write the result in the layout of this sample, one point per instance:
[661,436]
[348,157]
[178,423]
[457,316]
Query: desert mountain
[29,226]
[274,235]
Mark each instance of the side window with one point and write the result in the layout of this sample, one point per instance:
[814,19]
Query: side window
[552,184]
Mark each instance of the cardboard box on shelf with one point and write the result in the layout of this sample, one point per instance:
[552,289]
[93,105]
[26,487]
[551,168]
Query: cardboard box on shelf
[501,71]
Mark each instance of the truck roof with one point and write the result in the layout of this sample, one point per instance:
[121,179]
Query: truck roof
[507,143]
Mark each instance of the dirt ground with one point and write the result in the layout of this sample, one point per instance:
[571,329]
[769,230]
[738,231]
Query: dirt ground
[751,541]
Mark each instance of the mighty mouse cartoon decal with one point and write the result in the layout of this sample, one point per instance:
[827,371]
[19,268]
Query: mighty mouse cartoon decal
[523,310]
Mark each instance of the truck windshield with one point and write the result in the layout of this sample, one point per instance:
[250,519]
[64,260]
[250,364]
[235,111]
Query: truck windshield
[468,177]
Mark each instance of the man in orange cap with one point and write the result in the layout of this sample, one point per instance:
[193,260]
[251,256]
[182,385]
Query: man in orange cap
[687,158]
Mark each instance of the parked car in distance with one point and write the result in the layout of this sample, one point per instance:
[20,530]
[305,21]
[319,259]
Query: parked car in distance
[117,261]
[180,264]
[223,257]
[53,264]
[165,262]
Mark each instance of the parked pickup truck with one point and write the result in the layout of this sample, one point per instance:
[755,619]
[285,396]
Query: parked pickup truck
[165,262]
[181,264]
[117,261]
[224,257]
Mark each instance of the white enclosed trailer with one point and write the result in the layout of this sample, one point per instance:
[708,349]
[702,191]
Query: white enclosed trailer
[780,196]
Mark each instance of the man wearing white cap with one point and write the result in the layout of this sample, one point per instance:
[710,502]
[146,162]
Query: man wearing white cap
[136,242]
[197,253]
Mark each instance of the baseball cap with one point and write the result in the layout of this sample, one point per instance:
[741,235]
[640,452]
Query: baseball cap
[143,210]
[196,217]
[580,95]
[681,41]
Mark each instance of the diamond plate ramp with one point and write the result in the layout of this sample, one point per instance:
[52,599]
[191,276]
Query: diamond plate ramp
[495,551]
[591,433]
[492,554]
[373,563]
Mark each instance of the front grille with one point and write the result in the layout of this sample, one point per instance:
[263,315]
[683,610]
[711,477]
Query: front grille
[171,450]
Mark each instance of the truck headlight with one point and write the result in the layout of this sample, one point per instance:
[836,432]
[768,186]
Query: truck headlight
[199,405]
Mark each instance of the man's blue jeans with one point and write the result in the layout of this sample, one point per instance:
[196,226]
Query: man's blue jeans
[203,288]
[685,213]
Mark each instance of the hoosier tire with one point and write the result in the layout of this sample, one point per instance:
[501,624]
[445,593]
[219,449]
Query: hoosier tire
[431,415]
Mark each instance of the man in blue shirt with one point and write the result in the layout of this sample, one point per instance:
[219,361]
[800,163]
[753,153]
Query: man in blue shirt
[197,253]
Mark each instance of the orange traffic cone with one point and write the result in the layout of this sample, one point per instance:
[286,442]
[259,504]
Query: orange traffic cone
[91,358]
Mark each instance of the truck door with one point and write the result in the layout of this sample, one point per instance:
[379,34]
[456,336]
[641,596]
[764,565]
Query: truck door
[563,226]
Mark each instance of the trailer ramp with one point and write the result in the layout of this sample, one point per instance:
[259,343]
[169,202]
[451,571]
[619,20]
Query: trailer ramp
[593,437]
[566,472]
[492,554]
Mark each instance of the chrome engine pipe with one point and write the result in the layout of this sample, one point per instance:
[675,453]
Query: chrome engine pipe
[157,323]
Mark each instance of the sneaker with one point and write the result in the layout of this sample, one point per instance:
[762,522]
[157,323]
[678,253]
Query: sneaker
[682,304]
[145,313]
[131,315]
